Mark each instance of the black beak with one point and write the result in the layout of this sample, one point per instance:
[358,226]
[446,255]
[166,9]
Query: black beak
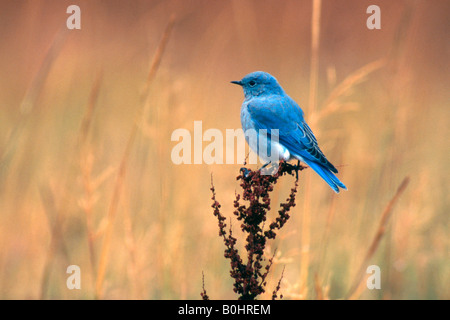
[237,82]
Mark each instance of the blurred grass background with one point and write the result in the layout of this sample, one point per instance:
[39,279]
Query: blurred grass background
[85,171]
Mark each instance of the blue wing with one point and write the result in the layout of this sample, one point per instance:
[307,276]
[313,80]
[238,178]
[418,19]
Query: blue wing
[283,113]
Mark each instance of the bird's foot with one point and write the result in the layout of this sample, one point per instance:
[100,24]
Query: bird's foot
[289,168]
[245,171]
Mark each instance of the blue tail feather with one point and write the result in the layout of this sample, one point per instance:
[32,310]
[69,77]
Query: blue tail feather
[328,176]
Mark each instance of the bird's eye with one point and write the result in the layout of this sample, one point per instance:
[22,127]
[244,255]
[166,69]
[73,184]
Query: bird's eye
[252,83]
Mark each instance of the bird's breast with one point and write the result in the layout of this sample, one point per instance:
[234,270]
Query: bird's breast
[246,119]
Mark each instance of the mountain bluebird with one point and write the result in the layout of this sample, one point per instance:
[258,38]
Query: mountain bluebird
[267,107]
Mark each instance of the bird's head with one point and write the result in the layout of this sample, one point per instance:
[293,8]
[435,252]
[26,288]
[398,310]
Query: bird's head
[259,83]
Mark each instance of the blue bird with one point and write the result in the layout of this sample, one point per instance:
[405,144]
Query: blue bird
[268,107]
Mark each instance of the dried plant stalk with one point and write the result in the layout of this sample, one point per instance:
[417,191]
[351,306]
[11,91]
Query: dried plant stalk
[359,279]
[250,275]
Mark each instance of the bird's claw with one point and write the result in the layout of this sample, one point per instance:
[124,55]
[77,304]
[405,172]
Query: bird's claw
[294,167]
[245,171]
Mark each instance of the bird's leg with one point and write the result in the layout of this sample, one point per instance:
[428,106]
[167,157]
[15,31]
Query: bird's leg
[265,165]
[296,168]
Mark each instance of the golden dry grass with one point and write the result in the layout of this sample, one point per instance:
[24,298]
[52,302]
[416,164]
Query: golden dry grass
[85,125]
